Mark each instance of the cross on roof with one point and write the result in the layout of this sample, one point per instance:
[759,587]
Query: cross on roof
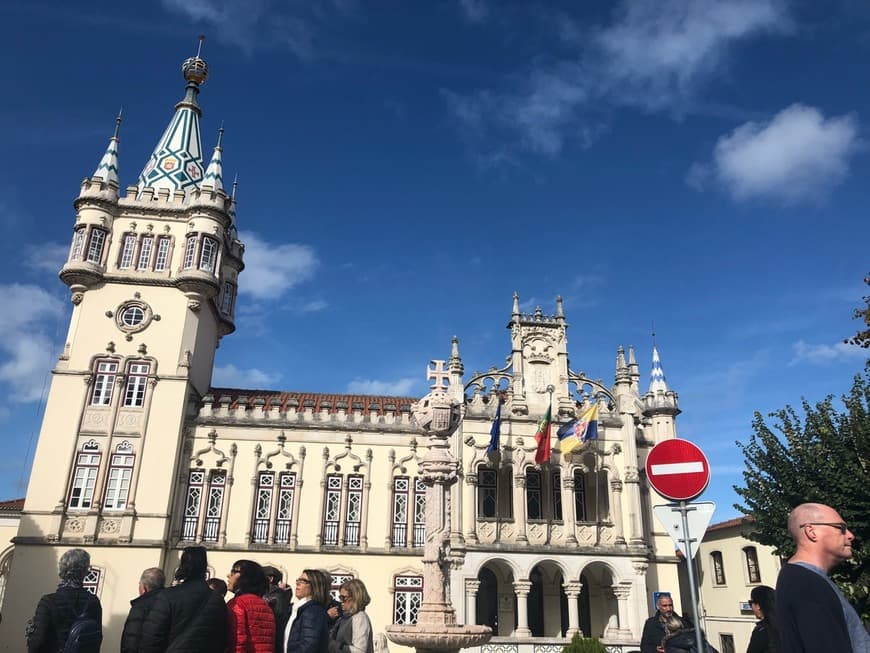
[438,374]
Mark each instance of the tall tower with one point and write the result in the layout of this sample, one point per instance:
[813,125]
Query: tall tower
[153,276]
[660,402]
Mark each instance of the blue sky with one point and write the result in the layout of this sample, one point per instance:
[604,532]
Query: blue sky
[405,167]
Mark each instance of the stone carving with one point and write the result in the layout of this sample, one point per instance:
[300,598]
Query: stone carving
[75,525]
[77,298]
[436,629]
[109,526]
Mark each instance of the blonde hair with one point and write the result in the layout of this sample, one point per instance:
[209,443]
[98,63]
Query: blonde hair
[359,595]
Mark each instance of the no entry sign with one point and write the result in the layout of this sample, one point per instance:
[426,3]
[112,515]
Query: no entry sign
[677,469]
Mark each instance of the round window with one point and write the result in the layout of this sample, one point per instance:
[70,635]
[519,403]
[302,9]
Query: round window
[132,316]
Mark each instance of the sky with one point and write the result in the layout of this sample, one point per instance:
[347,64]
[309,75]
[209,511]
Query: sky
[692,168]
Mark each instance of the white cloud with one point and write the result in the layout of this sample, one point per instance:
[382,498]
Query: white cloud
[313,306]
[230,376]
[400,388]
[798,155]
[825,354]
[657,53]
[46,257]
[271,270]
[654,55]
[26,349]
[474,11]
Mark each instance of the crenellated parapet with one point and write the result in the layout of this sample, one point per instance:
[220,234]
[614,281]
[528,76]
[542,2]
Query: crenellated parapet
[326,411]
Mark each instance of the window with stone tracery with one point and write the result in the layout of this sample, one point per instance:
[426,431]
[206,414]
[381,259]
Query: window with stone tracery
[580,514]
[189,252]
[95,246]
[487,492]
[337,581]
[556,493]
[137,381]
[84,479]
[192,504]
[214,505]
[91,582]
[336,530]
[407,598]
[78,244]
[409,511]
[208,254]
[534,506]
[276,490]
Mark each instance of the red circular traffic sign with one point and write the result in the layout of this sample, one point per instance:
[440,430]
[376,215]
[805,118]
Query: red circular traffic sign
[677,469]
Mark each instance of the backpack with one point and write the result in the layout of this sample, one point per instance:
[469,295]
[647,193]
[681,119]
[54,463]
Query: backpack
[85,634]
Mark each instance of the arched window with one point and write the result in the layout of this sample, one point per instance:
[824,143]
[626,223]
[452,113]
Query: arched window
[204,488]
[352,487]
[487,492]
[718,568]
[128,246]
[145,250]
[78,244]
[580,513]
[189,252]
[208,254]
[104,382]
[95,246]
[137,381]
[281,495]
[753,573]
[534,500]
[556,493]
[162,257]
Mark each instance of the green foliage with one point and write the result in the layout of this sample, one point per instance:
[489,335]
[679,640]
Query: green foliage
[862,338]
[823,458]
[584,645]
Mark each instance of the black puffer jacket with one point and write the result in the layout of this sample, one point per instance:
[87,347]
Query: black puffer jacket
[139,609]
[187,618]
[55,613]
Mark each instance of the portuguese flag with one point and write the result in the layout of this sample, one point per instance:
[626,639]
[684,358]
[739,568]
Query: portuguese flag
[542,437]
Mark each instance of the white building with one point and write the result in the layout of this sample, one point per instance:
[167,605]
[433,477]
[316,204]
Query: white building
[139,456]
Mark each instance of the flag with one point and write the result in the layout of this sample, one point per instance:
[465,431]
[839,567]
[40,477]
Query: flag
[495,431]
[577,432]
[542,437]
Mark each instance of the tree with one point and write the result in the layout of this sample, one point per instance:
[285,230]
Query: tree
[823,458]
[862,338]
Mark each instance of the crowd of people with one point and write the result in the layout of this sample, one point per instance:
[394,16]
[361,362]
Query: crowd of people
[192,615]
[806,613]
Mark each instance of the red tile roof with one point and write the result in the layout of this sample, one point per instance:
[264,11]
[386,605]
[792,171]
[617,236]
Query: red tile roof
[13,505]
[730,523]
[366,404]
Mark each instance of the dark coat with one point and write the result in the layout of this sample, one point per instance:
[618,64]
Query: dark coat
[682,642]
[654,632]
[309,632]
[279,601]
[55,613]
[762,639]
[187,618]
[250,625]
[139,609]
[809,616]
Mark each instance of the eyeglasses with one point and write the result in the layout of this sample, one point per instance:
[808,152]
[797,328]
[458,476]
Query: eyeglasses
[303,581]
[235,571]
[344,598]
[840,526]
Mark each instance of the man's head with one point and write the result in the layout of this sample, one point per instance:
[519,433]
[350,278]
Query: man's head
[821,535]
[273,575]
[152,579]
[665,605]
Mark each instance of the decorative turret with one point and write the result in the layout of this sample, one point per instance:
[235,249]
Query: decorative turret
[176,162]
[633,369]
[659,400]
[456,370]
[104,183]
[214,174]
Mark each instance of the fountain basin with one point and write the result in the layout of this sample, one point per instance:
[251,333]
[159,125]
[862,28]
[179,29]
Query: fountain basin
[434,638]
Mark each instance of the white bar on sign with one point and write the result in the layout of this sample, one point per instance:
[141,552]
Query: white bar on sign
[677,468]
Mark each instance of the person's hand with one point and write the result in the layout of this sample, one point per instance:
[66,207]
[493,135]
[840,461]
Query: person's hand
[332,612]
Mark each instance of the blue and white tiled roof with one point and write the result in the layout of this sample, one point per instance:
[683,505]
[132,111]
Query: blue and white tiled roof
[657,374]
[108,166]
[176,162]
[214,174]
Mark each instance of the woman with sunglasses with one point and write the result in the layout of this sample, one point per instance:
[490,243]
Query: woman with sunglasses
[764,637]
[306,630]
[250,622]
[353,632]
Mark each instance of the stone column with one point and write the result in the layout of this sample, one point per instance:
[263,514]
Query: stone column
[469,512]
[522,588]
[471,587]
[520,520]
[569,519]
[616,510]
[572,591]
[622,592]
[632,483]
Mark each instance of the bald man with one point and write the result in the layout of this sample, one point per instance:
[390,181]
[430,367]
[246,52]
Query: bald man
[812,614]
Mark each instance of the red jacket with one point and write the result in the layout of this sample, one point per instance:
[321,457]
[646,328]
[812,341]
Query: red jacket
[250,625]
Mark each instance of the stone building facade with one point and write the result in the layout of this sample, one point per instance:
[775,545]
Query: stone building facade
[139,456]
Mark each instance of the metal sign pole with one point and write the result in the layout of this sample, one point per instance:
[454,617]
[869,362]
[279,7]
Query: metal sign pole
[684,511]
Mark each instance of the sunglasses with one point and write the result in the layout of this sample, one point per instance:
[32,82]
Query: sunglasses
[840,526]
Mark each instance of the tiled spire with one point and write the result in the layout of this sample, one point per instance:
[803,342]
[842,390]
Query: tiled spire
[657,374]
[108,167]
[176,162]
[214,174]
